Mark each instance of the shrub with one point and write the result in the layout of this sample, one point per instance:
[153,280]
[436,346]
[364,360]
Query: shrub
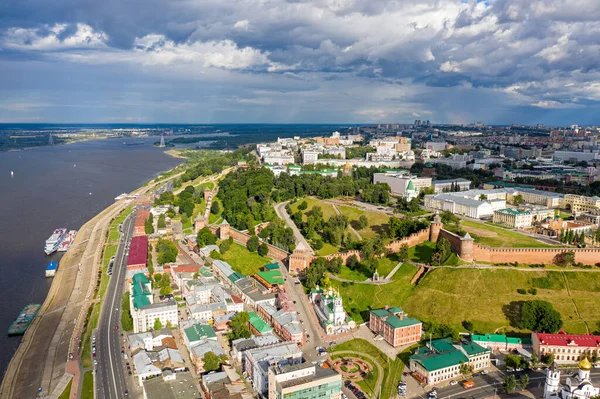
[532,291]
[521,291]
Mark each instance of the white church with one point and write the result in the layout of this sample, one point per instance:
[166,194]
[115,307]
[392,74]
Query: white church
[577,386]
[330,311]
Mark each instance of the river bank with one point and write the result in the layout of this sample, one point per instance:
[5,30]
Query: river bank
[42,358]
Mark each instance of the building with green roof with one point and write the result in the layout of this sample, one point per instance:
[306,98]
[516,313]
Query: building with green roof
[501,342]
[270,278]
[395,326]
[271,266]
[440,360]
[257,325]
[140,291]
[198,332]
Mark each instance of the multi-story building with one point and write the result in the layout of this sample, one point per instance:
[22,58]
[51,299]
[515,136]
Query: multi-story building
[138,253]
[140,219]
[455,161]
[539,197]
[500,342]
[512,218]
[440,360]
[399,182]
[395,326]
[330,311]
[451,185]
[304,381]
[256,362]
[145,316]
[459,205]
[310,157]
[566,348]
[580,203]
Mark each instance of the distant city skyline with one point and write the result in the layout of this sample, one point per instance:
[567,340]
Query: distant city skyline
[323,61]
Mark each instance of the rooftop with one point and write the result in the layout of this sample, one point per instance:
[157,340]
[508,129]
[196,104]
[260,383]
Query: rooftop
[182,387]
[198,331]
[563,339]
[138,251]
[259,324]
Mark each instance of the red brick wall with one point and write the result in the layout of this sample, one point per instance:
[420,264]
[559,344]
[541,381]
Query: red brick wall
[412,240]
[587,256]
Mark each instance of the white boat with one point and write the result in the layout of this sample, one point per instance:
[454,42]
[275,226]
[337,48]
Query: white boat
[67,241]
[54,240]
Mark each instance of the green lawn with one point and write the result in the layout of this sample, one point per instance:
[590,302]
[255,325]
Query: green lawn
[67,392]
[452,295]
[328,210]
[114,234]
[87,390]
[486,234]
[377,221]
[360,298]
[385,266]
[392,369]
[244,261]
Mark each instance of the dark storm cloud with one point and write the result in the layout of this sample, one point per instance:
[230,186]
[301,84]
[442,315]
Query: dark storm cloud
[519,56]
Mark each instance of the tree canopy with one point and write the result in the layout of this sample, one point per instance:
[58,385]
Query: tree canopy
[539,316]
[166,251]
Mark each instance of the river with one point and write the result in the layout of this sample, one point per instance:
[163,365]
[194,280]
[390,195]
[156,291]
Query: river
[59,186]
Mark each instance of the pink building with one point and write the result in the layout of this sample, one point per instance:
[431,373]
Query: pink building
[395,326]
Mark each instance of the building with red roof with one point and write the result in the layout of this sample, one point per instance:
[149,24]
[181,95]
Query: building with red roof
[138,253]
[140,218]
[566,348]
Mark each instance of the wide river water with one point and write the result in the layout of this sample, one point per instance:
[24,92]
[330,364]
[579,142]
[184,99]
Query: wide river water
[60,186]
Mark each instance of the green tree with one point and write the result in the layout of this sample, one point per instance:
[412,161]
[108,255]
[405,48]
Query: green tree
[157,324]
[162,221]
[594,356]
[518,199]
[352,262]
[442,251]
[205,237]
[252,244]
[303,206]
[215,208]
[564,259]
[318,244]
[126,319]
[534,359]
[169,325]
[483,197]
[211,362]
[539,316]
[373,247]
[510,383]
[523,381]
[263,249]
[239,326]
[362,222]
[403,253]
[466,369]
[467,325]
[166,251]
[148,225]
[224,246]
[165,285]
[548,358]
[316,271]
[335,265]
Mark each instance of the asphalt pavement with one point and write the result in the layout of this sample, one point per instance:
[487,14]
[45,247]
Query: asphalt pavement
[111,380]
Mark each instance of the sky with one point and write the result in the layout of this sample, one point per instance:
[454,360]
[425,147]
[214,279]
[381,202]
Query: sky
[300,61]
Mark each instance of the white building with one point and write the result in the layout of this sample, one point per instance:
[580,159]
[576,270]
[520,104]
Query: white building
[460,205]
[399,181]
[145,316]
[455,161]
[575,156]
[453,185]
[576,386]
[310,157]
[330,311]
[256,363]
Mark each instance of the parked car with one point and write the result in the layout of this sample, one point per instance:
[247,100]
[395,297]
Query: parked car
[453,382]
[484,372]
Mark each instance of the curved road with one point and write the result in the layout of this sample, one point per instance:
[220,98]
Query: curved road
[282,213]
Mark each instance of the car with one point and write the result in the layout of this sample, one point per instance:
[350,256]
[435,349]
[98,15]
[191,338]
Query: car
[453,382]
[122,348]
[402,384]
[360,395]
[126,393]
[116,327]
[484,372]
[122,352]
[344,396]
[129,372]
[94,355]
[347,383]
[95,362]
[350,387]
[519,369]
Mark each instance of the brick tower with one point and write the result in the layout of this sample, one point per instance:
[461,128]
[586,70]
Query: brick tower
[435,227]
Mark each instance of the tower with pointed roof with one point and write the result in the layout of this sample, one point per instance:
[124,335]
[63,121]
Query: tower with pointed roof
[466,248]
[199,223]
[224,230]
[411,192]
[576,386]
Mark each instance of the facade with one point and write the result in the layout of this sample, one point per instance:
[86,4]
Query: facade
[459,205]
[395,326]
[399,182]
[310,157]
[512,218]
[580,203]
[304,381]
[566,348]
[460,184]
[300,259]
[145,316]
[576,386]
[500,342]
[440,360]
[455,161]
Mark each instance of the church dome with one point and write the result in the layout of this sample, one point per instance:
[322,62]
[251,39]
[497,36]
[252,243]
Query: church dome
[584,364]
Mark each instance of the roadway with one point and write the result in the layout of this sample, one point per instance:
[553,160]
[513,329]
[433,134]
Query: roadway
[282,213]
[111,380]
